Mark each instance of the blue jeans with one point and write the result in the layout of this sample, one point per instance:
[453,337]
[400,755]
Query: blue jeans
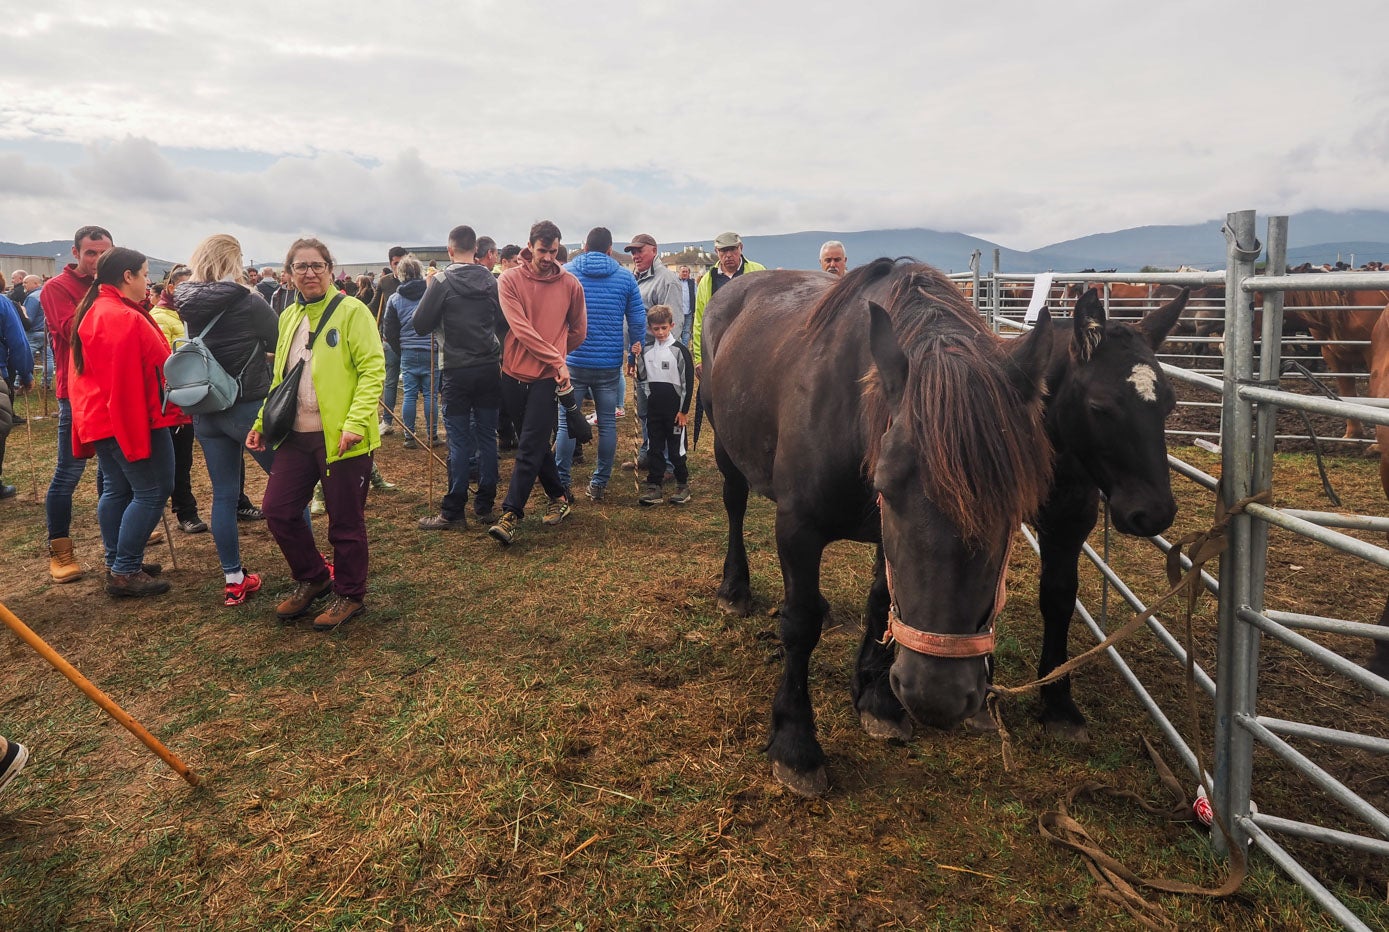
[133,500]
[419,380]
[392,382]
[605,385]
[471,398]
[38,341]
[222,435]
[67,472]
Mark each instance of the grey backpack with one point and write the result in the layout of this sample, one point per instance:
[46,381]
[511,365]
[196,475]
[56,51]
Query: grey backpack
[194,380]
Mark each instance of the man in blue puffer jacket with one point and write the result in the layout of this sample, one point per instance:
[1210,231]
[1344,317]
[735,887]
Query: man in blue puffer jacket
[612,297]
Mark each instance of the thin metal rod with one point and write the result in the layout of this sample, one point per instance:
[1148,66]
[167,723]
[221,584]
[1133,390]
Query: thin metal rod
[1314,404]
[1358,629]
[1350,739]
[1337,519]
[1290,866]
[1322,833]
[1328,658]
[1318,281]
[1305,766]
[1334,539]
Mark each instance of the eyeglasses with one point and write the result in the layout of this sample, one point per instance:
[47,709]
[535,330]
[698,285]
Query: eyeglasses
[314,267]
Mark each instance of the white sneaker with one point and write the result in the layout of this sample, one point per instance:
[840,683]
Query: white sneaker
[386,429]
[16,756]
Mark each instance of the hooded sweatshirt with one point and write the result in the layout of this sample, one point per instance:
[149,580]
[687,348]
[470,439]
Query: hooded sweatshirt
[462,305]
[398,324]
[611,296]
[244,334]
[547,316]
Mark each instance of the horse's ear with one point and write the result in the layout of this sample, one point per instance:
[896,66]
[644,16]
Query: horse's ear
[1030,355]
[1156,326]
[887,354]
[1087,323]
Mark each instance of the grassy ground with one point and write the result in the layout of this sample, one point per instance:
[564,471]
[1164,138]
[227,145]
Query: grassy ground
[566,734]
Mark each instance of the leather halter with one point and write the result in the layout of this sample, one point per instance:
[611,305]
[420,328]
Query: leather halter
[949,646]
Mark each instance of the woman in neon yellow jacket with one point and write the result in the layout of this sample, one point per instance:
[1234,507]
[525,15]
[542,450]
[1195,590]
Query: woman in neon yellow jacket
[335,431]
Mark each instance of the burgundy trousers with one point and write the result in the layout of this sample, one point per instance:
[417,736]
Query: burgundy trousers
[300,463]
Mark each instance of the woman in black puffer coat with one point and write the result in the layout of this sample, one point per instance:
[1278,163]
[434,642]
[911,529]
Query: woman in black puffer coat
[240,340]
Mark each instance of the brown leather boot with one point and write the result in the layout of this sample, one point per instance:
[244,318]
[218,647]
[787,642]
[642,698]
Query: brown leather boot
[137,585]
[302,598]
[339,612]
[62,565]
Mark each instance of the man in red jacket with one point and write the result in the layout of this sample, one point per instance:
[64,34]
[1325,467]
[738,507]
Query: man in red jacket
[59,298]
[544,307]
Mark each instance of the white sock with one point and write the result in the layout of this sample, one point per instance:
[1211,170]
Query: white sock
[238,577]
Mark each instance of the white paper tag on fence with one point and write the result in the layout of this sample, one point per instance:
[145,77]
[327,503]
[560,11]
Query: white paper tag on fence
[1041,287]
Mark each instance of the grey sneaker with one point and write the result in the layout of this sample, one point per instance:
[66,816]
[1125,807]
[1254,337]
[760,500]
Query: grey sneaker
[681,495]
[504,531]
[557,510]
[15,757]
[440,523]
[650,495]
[595,493]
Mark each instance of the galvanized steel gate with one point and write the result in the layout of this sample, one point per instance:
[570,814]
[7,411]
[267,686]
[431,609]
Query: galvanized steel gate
[1250,398]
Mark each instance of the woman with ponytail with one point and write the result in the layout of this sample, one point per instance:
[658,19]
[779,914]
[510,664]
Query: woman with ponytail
[116,386]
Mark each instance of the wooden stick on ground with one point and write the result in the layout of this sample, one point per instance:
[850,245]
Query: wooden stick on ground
[27,635]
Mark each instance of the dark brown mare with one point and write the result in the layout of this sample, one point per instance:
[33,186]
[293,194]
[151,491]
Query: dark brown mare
[833,396]
[1379,388]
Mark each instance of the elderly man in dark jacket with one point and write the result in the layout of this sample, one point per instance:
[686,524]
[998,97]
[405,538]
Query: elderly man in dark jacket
[461,305]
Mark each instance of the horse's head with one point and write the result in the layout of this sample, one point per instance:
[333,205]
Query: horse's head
[1108,411]
[964,458]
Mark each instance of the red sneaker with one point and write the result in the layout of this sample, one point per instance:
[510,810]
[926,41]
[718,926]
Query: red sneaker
[240,592]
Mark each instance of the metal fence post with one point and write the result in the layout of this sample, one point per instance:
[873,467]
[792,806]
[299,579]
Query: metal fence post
[997,292]
[1236,661]
[1266,418]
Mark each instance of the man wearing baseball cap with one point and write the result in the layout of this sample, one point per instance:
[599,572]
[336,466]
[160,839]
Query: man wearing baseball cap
[658,285]
[731,264]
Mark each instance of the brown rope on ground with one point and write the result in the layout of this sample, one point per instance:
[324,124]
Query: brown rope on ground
[1117,882]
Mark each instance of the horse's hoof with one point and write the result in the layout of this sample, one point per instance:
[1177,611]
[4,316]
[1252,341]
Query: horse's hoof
[1372,451]
[1074,732]
[811,785]
[981,723]
[740,607]
[885,729]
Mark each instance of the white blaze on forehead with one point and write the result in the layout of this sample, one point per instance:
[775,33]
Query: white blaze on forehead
[1144,381]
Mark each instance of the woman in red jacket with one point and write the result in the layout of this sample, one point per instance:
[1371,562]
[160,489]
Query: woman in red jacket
[116,386]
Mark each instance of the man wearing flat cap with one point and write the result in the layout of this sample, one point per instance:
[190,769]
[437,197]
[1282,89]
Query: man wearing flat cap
[658,285]
[731,264]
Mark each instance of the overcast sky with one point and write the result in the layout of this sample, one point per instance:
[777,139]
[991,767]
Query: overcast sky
[369,125]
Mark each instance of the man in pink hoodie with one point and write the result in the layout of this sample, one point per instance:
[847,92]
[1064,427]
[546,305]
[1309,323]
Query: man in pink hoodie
[544,308]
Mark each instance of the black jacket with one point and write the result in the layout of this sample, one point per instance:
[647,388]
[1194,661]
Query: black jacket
[461,304]
[245,333]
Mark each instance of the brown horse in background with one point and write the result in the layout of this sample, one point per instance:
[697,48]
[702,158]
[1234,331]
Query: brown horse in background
[1318,310]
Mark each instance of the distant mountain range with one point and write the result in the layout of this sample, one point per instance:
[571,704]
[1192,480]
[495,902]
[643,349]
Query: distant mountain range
[1314,236]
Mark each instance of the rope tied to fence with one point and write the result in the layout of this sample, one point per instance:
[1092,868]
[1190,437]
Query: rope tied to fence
[1117,882]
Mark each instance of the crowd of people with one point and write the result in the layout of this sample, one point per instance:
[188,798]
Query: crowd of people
[487,347]
[506,342]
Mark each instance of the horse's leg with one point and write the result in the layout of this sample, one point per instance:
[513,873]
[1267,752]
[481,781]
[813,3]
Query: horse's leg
[1379,660]
[1338,365]
[797,758]
[881,715]
[735,591]
[1060,539]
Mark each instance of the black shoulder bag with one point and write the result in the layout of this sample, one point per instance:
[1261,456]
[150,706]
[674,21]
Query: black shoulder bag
[281,405]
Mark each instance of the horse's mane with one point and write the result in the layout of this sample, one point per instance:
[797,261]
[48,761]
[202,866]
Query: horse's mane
[983,455]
